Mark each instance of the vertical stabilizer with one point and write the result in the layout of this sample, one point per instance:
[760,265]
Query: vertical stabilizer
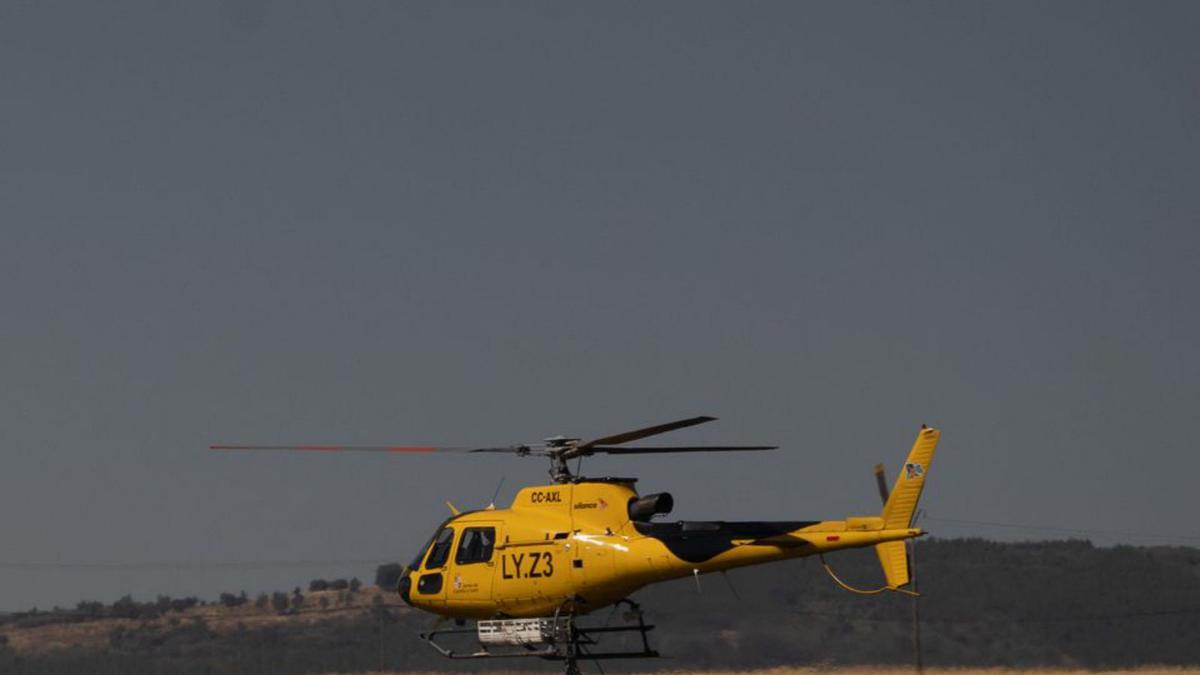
[902,503]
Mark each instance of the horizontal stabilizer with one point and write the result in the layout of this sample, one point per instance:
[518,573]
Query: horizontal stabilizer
[893,556]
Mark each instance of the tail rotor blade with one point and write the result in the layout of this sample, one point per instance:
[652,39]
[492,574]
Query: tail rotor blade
[881,483]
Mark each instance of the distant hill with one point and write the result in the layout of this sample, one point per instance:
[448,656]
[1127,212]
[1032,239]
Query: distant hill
[983,603]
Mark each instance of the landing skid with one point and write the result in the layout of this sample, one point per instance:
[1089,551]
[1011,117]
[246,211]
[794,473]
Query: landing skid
[561,639]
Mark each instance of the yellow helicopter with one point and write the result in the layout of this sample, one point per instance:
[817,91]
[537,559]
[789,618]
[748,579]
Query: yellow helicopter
[526,573]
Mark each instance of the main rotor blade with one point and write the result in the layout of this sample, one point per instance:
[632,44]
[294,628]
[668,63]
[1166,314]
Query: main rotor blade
[363,448]
[617,439]
[676,448]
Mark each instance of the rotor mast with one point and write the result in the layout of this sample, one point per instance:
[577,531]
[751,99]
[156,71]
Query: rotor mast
[558,449]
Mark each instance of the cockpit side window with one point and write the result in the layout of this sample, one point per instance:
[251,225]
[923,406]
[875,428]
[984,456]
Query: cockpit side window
[440,551]
[476,545]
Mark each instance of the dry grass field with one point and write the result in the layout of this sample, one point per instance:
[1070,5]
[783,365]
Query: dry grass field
[858,670]
[944,671]
[38,640]
[95,634]
[949,671]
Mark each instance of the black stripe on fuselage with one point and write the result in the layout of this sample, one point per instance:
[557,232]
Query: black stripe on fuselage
[698,541]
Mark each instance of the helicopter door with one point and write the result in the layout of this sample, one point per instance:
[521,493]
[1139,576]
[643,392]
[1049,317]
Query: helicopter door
[431,584]
[470,580]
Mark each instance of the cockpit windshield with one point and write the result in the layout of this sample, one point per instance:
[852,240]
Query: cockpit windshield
[424,550]
[416,562]
[440,551]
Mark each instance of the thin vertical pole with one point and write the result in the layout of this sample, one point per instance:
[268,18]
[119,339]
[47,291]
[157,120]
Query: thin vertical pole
[916,601]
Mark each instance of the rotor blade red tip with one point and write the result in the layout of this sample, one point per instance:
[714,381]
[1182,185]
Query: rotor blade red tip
[339,448]
[327,448]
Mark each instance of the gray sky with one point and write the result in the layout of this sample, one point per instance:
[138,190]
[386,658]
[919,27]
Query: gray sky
[410,223]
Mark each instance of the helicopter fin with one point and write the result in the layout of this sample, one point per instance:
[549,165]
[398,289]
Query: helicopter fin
[901,504]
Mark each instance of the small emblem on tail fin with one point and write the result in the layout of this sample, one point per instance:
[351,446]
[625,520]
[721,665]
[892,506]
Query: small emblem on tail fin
[912,471]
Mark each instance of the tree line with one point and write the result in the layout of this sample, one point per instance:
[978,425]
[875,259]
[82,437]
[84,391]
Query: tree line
[983,603]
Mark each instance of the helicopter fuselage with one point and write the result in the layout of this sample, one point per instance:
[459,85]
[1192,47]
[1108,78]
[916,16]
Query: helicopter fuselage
[577,547]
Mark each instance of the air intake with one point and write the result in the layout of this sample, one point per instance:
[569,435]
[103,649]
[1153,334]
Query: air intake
[644,508]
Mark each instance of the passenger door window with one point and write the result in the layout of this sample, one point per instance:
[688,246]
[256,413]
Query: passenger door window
[476,545]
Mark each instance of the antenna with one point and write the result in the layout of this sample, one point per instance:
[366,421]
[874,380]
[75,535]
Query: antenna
[496,494]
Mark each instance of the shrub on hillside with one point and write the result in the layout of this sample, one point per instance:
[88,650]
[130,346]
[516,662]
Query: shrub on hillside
[90,608]
[182,604]
[231,600]
[388,576]
[163,604]
[128,608]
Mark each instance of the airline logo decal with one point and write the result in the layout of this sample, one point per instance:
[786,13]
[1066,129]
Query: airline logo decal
[599,505]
